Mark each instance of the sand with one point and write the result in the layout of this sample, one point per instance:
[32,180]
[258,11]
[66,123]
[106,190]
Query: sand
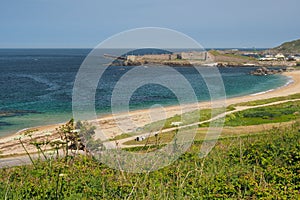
[111,126]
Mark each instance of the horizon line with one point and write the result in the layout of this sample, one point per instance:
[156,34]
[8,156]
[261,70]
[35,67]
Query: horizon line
[3,48]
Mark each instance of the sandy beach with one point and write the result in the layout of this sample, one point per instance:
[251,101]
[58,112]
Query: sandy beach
[112,126]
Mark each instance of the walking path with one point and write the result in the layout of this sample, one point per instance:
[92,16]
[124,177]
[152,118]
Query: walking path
[112,144]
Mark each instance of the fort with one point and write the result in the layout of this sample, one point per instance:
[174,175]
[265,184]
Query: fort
[221,58]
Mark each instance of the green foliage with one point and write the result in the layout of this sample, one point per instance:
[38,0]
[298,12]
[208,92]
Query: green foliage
[86,133]
[269,114]
[122,136]
[230,55]
[253,167]
[186,119]
[271,100]
[289,47]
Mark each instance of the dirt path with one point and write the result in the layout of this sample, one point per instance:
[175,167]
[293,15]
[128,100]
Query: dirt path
[237,109]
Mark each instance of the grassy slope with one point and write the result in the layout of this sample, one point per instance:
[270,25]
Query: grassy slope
[269,114]
[186,118]
[221,57]
[265,166]
[289,47]
[266,101]
[279,113]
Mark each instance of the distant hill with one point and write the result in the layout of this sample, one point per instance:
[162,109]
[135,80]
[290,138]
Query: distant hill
[289,47]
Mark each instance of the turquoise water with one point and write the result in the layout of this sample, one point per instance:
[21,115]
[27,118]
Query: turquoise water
[36,86]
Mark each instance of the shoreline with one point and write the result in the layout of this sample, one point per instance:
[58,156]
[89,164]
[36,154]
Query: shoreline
[290,81]
[139,118]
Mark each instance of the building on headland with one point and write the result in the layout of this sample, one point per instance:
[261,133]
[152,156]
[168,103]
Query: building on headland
[192,55]
[159,56]
[277,57]
[280,56]
[131,58]
[267,59]
[294,58]
[297,58]
[251,54]
[134,58]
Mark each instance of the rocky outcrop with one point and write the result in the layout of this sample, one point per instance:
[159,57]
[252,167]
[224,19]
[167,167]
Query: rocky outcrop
[263,71]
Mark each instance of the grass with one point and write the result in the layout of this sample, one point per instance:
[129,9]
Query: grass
[266,101]
[269,114]
[227,132]
[279,113]
[262,165]
[244,58]
[289,47]
[122,136]
[251,167]
[186,119]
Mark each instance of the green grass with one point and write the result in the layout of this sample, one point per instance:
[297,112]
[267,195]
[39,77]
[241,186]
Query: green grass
[269,114]
[272,114]
[283,112]
[266,101]
[263,165]
[289,47]
[246,58]
[214,52]
[251,167]
[186,118]
[122,136]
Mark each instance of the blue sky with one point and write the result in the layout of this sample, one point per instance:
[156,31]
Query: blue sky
[85,23]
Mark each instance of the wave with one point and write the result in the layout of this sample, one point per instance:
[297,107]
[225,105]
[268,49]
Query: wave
[258,93]
[289,81]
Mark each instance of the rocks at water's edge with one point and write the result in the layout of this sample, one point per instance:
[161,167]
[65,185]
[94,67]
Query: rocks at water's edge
[263,71]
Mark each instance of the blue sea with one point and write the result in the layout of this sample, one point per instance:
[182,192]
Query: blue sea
[36,86]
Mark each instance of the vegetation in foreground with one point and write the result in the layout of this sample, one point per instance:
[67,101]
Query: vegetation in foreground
[263,166]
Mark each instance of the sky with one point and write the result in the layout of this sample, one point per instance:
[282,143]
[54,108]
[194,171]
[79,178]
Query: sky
[86,23]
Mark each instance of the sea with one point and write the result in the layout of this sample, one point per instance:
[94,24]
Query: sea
[36,86]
